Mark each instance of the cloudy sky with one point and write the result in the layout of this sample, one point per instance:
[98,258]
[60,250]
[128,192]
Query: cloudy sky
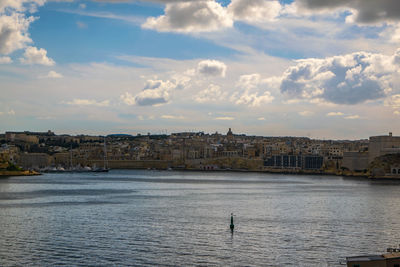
[316,68]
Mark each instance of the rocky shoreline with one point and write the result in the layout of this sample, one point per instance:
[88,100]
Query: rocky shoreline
[18,173]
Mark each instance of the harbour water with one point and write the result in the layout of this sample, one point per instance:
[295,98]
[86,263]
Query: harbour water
[168,218]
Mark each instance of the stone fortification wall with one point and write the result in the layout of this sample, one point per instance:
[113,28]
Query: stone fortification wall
[382,145]
[355,161]
[133,164]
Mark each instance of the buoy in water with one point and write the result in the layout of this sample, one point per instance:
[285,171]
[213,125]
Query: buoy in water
[232,226]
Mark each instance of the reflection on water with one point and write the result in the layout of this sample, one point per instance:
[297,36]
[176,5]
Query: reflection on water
[148,218]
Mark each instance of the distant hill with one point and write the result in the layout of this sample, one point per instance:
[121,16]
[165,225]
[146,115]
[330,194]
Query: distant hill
[120,135]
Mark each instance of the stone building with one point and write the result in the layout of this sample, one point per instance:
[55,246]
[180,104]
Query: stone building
[34,160]
[382,145]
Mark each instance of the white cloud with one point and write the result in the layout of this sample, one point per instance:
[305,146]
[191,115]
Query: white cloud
[14,32]
[212,68]
[261,119]
[391,33]
[393,101]
[20,5]
[128,99]
[53,75]
[34,55]
[253,99]
[172,117]
[249,81]
[254,10]
[211,94]
[5,60]
[155,92]
[249,91]
[88,102]
[224,118]
[352,117]
[347,79]
[191,16]
[332,114]
[306,113]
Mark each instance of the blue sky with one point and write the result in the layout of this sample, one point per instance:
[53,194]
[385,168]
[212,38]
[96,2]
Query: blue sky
[262,67]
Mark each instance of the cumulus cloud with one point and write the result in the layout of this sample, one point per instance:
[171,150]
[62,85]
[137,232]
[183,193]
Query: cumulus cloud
[20,5]
[191,16]
[249,91]
[363,11]
[34,55]
[212,93]
[211,68]
[393,101]
[88,102]
[127,99]
[155,92]
[14,32]
[5,60]
[52,75]
[254,10]
[347,79]
[253,99]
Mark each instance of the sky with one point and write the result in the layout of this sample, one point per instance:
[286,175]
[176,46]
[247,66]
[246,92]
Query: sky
[315,68]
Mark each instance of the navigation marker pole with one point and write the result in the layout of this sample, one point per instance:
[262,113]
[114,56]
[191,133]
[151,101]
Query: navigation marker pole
[232,226]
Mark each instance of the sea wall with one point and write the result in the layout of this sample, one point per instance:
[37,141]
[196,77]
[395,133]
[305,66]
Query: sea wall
[133,164]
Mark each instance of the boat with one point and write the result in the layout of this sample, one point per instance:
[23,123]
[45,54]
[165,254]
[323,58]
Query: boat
[105,161]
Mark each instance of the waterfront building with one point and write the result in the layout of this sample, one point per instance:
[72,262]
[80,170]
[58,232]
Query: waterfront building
[307,162]
[382,145]
[34,160]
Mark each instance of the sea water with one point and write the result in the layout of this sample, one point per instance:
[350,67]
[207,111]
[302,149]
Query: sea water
[170,218]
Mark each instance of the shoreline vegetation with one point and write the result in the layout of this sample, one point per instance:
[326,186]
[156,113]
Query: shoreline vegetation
[8,169]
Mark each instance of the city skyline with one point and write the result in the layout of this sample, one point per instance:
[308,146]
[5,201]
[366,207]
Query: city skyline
[268,68]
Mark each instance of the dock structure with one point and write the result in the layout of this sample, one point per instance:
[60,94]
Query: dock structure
[390,259]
